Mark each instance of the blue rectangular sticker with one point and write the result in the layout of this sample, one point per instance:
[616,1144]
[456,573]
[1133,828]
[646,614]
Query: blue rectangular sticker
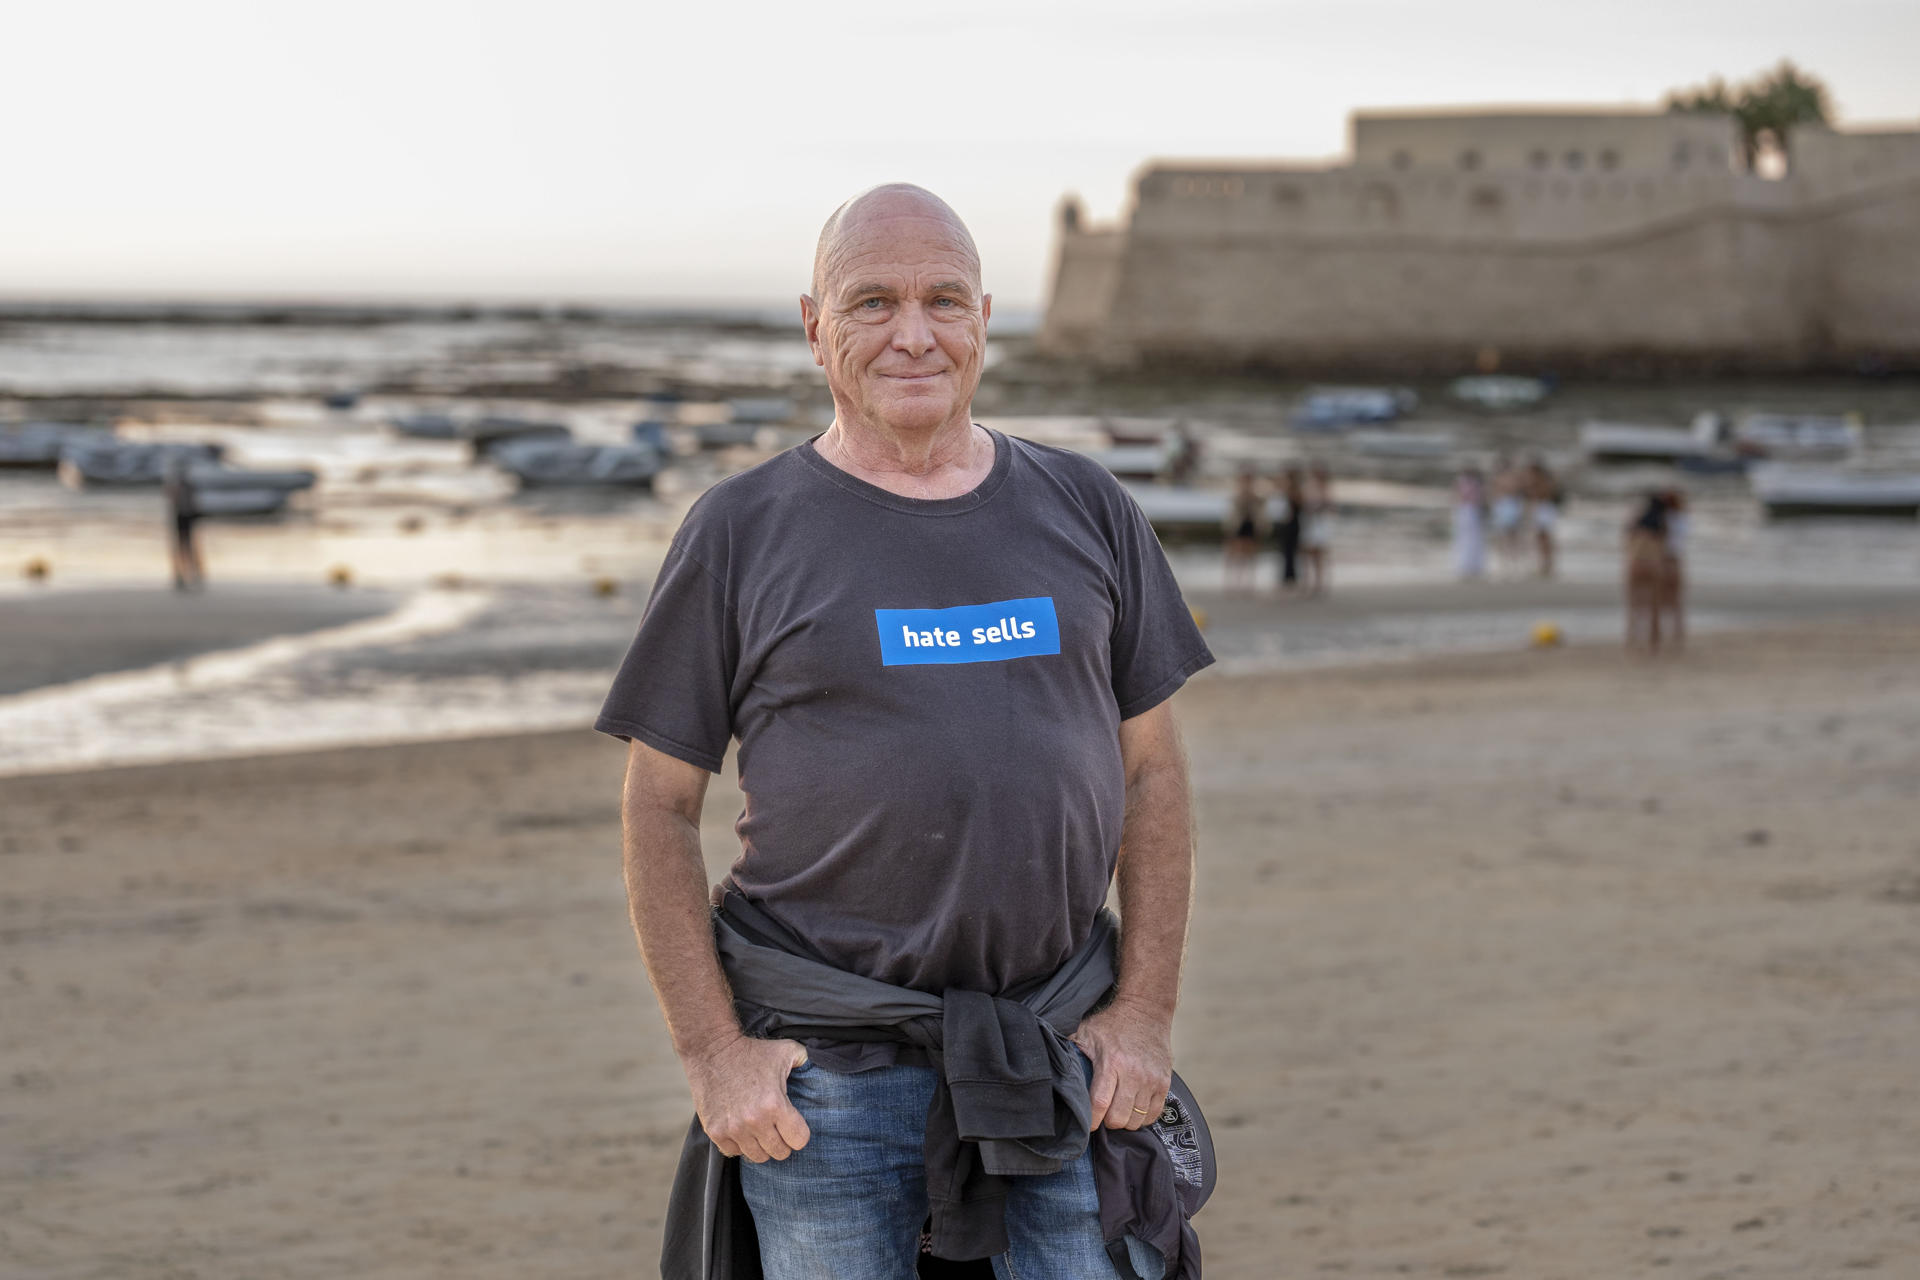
[968,633]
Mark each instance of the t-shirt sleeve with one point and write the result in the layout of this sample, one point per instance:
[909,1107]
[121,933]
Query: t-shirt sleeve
[674,688]
[1155,645]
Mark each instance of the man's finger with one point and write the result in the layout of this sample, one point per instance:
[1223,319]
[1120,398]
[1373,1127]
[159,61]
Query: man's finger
[1105,1082]
[792,1128]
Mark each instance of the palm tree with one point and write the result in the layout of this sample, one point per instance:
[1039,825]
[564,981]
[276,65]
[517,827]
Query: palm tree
[1767,106]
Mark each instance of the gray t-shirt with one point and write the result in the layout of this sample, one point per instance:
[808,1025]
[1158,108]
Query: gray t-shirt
[927,695]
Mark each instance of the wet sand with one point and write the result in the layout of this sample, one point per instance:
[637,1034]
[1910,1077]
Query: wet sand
[53,636]
[1542,965]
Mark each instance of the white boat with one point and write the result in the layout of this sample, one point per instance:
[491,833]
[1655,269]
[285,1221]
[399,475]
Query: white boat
[545,463]
[1632,442]
[206,477]
[1799,437]
[1337,408]
[1784,490]
[119,462]
[1499,391]
[38,444]
[1132,461]
[1139,430]
[1421,445]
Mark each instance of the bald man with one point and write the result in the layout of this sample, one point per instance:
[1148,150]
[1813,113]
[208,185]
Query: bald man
[946,655]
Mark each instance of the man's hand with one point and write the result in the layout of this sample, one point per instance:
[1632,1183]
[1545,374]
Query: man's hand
[1132,1054]
[740,1094]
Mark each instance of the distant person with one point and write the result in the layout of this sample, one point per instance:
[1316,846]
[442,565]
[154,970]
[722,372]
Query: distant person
[1673,602]
[1316,528]
[1508,511]
[1470,525]
[1647,573]
[1545,498]
[1286,530]
[189,574]
[1246,525]
[1183,458]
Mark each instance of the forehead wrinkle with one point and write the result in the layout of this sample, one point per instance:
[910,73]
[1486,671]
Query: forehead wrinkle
[893,204]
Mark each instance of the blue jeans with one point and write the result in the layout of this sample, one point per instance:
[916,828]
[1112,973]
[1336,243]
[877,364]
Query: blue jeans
[849,1205]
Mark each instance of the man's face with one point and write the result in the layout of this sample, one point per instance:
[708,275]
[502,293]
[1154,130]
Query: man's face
[901,328]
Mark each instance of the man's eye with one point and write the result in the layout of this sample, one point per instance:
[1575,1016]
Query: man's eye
[946,302]
[873,304]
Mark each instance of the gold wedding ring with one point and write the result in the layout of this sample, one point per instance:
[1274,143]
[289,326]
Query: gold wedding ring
[1137,1111]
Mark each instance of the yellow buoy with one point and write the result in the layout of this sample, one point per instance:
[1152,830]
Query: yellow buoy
[605,587]
[1546,635]
[340,576]
[37,570]
[1199,617]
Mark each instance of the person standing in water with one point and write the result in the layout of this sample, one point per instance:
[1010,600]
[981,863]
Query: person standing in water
[188,572]
[1286,530]
[1316,532]
[1246,525]
[1470,525]
[1544,499]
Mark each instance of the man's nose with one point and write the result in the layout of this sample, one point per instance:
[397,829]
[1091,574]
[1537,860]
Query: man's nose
[913,330]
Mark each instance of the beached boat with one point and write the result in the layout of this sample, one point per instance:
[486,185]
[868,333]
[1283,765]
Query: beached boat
[1799,437]
[731,435]
[1132,461]
[1419,445]
[119,462]
[1499,391]
[1631,442]
[204,477]
[38,444]
[548,463]
[764,411]
[484,434]
[427,426]
[1139,430]
[234,503]
[1784,490]
[1337,408]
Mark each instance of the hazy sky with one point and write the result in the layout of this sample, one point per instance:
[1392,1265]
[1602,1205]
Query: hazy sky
[601,150]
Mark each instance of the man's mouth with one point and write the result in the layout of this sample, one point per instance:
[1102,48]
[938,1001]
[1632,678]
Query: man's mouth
[913,377]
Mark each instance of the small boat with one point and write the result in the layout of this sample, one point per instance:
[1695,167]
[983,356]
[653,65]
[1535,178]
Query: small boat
[1799,437]
[1139,430]
[652,433]
[540,462]
[764,411]
[205,477]
[1422,445]
[230,503]
[729,435]
[1337,408]
[341,400]
[38,444]
[1132,461]
[1809,491]
[1177,511]
[1631,442]
[427,426]
[494,429]
[119,462]
[1499,391]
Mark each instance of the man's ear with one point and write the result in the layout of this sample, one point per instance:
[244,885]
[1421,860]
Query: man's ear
[810,322]
[986,307]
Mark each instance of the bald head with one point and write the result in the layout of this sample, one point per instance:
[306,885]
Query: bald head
[892,201]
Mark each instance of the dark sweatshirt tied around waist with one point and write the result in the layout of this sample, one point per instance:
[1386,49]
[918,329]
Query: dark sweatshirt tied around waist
[1012,1099]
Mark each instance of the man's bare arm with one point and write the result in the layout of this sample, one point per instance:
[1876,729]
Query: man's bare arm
[739,1084]
[1130,1042]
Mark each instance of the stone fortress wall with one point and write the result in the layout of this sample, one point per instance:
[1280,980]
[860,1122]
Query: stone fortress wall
[1623,240]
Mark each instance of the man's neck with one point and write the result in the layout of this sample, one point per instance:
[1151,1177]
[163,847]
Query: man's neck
[946,462]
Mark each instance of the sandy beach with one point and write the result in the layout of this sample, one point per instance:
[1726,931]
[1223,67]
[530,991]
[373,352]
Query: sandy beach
[1548,964]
